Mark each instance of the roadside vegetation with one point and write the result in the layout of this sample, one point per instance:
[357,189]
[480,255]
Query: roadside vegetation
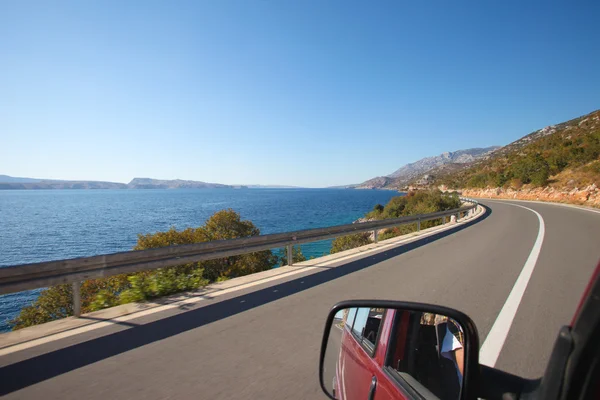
[419,202]
[297,256]
[570,156]
[350,242]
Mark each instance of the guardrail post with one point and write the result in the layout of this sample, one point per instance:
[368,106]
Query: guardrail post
[418,224]
[290,254]
[77,299]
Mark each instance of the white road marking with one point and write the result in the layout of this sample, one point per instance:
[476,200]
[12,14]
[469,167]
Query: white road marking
[488,355]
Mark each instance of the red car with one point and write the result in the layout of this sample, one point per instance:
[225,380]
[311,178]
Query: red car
[396,349]
[380,350]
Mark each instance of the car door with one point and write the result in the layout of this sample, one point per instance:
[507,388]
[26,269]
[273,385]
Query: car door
[388,349]
[357,365]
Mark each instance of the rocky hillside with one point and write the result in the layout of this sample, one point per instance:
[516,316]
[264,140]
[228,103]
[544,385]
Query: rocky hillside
[565,156]
[379,182]
[587,196]
[413,171]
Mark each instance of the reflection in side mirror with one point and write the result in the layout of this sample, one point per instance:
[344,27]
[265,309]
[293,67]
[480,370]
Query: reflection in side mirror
[400,349]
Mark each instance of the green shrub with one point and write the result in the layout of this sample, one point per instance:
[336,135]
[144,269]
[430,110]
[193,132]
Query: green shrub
[104,299]
[398,231]
[478,181]
[532,169]
[297,255]
[417,202]
[350,242]
[163,282]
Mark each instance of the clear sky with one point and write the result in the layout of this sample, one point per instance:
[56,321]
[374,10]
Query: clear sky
[309,93]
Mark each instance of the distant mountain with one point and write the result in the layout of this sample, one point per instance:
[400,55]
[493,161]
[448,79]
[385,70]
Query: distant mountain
[271,187]
[376,183]
[14,179]
[148,183]
[352,186]
[14,183]
[43,184]
[412,171]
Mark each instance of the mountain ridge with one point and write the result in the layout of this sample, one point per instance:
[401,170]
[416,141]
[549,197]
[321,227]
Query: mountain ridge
[21,183]
[412,171]
[150,183]
[448,157]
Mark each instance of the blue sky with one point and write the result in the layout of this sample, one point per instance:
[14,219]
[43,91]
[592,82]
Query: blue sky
[309,93]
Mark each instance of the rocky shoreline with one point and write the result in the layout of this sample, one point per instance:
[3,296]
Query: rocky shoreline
[588,196]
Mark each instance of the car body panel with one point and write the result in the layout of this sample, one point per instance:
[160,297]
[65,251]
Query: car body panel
[356,367]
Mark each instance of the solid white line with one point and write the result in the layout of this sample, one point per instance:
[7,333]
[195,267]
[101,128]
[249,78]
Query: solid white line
[494,341]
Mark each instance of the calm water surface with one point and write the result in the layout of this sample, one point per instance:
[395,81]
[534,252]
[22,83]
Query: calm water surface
[56,224]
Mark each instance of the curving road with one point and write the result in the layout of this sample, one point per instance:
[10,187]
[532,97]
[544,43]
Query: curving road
[263,342]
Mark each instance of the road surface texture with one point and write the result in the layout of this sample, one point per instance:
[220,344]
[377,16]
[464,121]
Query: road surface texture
[334,347]
[263,342]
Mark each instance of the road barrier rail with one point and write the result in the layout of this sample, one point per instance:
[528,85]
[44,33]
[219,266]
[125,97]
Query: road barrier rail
[18,278]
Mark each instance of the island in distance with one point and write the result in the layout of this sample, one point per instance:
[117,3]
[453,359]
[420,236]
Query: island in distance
[16,183]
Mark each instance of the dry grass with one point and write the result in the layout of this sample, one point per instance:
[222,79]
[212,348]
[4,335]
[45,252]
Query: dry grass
[579,177]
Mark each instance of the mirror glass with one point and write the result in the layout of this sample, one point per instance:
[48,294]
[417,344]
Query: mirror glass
[382,353]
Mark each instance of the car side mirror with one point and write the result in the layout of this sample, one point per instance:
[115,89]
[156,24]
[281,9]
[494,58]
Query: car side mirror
[399,348]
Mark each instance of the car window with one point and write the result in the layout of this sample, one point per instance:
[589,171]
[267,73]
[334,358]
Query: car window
[366,326]
[371,330]
[350,317]
[361,321]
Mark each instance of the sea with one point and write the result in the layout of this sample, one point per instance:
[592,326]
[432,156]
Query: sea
[45,225]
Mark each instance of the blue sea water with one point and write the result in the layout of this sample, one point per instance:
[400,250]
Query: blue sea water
[44,225]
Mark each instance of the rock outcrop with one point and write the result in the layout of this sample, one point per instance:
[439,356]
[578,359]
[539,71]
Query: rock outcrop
[588,196]
[372,233]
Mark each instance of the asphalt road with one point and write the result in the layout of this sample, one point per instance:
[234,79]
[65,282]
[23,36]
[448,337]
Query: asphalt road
[334,346]
[264,342]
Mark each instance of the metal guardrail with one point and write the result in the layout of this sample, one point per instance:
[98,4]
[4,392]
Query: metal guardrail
[18,278]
